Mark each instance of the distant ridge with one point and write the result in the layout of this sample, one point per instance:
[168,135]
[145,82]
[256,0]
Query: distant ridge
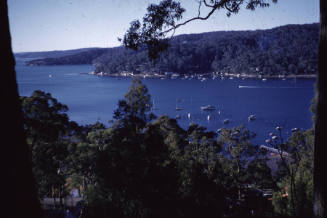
[289,49]
[52,54]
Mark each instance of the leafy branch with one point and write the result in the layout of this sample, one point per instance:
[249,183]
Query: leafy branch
[163,18]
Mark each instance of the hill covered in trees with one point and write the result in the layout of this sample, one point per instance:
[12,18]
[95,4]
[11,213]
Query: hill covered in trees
[54,54]
[290,49]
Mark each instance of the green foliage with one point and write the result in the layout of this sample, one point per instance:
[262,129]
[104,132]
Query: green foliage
[237,153]
[163,18]
[290,49]
[297,180]
[151,169]
[140,167]
[70,57]
[49,132]
[131,167]
[82,156]
[135,108]
[259,174]
[158,18]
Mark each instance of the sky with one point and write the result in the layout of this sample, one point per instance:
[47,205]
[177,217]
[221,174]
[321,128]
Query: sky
[44,25]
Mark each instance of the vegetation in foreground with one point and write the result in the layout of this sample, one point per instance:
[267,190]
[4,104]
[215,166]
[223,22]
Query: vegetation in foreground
[143,166]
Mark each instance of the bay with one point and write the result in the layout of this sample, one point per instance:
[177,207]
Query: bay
[90,98]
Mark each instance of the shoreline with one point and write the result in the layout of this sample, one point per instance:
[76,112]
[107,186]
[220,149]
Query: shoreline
[205,76]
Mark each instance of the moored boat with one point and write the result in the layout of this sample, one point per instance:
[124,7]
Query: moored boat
[208,107]
[251,117]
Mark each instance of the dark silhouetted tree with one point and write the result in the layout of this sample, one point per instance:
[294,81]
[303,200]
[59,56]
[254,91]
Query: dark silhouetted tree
[19,188]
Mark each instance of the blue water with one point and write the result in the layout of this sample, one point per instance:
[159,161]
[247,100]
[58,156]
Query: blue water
[90,98]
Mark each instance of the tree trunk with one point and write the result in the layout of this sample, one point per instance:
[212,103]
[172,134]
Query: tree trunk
[320,150]
[18,190]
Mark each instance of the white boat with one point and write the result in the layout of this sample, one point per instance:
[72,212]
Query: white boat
[208,117]
[226,121]
[251,117]
[264,79]
[178,117]
[295,129]
[208,107]
[274,137]
[189,115]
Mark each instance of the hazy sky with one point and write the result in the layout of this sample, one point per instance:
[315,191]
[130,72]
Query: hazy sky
[42,25]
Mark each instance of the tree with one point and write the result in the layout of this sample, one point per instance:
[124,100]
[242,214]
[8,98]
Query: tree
[131,163]
[163,18]
[296,175]
[200,182]
[320,161]
[151,169]
[49,133]
[136,105]
[82,158]
[15,166]
[237,153]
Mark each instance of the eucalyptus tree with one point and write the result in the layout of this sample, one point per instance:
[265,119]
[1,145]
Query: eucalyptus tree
[295,173]
[131,163]
[49,133]
[237,152]
[161,20]
[82,155]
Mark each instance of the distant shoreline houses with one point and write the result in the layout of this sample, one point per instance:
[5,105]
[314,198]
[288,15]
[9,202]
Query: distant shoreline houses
[203,76]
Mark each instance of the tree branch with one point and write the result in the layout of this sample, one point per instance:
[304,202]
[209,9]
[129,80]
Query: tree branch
[207,5]
[214,8]
[199,8]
